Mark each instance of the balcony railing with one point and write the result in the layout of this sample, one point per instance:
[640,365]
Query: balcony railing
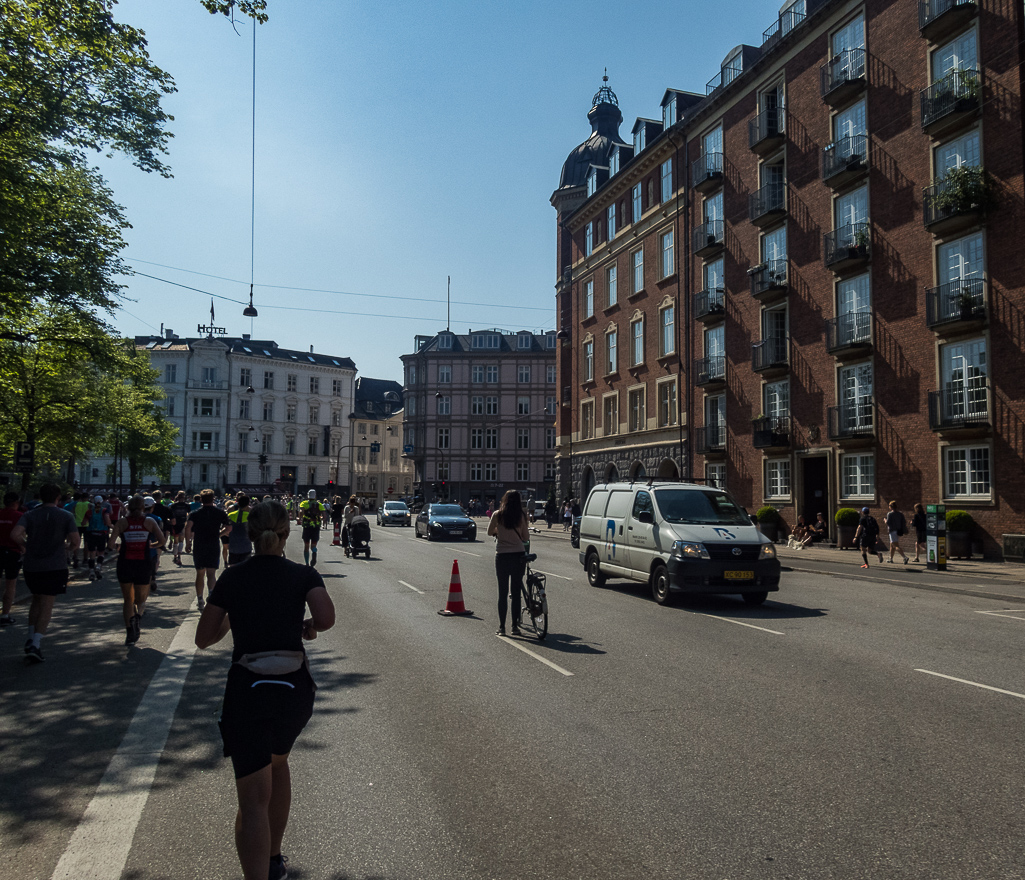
[768,279]
[768,204]
[848,246]
[956,301]
[710,370]
[767,130]
[851,421]
[708,237]
[706,171]
[770,432]
[724,77]
[961,405]
[770,354]
[852,330]
[843,75]
[845,159]
[957,200]
[780,28]
[710,303]
[936,18]
[710,438]
[206,385]
[951,100]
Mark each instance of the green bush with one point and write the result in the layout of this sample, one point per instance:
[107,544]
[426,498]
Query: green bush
[847,516]
[959,521]
[767,514]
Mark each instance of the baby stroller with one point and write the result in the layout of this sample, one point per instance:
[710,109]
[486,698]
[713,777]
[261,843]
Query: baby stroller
[359,537]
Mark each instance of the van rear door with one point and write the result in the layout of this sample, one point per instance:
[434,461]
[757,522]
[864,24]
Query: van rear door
[615,546]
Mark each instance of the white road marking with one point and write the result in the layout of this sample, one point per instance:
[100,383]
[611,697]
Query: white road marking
[468,553]
[973,683]
[1005,614]
[739,623]
[414,589]
[544,660]
[561,577]
[99,848]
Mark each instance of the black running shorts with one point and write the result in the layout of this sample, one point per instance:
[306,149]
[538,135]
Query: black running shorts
[311,533]
[10,562]
[137,572]
[96,542]
[206,556]
[47,583]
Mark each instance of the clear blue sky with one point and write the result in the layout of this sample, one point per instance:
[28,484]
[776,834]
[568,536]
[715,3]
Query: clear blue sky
[396,144]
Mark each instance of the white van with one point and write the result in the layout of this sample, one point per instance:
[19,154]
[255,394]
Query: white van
[678,537]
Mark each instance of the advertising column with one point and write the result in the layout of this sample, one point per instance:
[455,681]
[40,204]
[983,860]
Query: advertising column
[936,536]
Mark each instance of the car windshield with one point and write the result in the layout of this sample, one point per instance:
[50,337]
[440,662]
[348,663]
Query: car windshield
[397,506]
[446,510]
[700,507]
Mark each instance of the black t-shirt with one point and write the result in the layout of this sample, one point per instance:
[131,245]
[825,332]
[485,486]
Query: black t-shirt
[207,523]
[180,511]
[265,598]
[869,526]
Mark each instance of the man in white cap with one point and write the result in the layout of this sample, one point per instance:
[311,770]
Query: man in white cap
[97,533]
[310,514]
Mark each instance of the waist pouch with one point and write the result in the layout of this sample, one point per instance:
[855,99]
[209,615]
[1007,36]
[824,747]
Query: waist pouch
[273,662]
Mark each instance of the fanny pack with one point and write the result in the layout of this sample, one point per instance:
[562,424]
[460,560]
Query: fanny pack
[273,662]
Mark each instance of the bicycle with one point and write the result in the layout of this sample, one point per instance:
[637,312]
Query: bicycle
[535,601]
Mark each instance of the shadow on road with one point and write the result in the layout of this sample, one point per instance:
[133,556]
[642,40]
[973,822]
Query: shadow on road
[730,604]
[565,644]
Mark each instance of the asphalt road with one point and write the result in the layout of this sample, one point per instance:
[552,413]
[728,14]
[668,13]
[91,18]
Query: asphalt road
[851,727]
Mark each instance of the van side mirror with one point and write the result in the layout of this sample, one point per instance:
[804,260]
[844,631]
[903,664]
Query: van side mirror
[645,516]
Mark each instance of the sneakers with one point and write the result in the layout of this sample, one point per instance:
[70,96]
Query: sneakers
[98,575]
[516,631]
[6,620]
[865,565]
[133,630]
[33,654]
[278,868]
[200,603]
[313,561]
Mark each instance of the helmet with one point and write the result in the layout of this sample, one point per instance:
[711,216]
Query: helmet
[312,493]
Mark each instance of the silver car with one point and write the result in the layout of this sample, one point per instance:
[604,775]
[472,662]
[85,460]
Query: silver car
[393,513]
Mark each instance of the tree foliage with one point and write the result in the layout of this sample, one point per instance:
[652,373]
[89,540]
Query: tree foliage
[253,8]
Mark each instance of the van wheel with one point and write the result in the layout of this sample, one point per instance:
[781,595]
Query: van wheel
[660,584]
[594,575]
[755,598]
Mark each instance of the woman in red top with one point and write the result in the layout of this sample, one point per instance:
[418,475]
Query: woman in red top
[134,570]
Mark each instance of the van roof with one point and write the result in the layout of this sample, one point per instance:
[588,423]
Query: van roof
[654,482]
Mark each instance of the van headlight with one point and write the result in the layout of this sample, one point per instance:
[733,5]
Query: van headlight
[686,550]
[768,552]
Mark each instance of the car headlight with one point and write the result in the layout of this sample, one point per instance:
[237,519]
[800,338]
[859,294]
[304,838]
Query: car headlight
[687,550]
[768,551]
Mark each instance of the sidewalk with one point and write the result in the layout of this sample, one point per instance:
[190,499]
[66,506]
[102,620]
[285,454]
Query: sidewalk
[973,567]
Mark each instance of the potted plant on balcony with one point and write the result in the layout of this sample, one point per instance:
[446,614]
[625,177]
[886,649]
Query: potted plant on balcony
[846,519]
[959,528]
[768,522]
[964,190]
[862,239]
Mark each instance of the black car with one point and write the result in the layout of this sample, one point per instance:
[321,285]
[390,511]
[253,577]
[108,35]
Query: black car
[444,521]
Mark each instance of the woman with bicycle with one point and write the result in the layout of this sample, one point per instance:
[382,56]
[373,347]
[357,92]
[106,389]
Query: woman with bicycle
[509,526]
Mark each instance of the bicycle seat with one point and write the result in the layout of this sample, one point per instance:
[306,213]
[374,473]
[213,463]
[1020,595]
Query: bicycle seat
[529,557]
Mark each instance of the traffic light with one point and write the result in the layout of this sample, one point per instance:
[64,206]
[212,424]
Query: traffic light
[263,458]
[330,484]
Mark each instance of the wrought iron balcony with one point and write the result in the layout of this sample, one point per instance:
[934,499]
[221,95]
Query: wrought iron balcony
[852,421]
[708,238]
[769,280]
[710,370]
[956,201]
[767,130]
[770,354]
[848,246]
[768,204]
[710,439]
[780,28]
[951,101]
[937,18]
[961,406]
[849,332]
[845,160]
[962,301]
[771,432]
[206,385]
[706,172]
[843,76]
[724,77]
[710,305]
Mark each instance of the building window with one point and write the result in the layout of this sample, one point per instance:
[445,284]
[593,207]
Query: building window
[206,406]
[587,367]
[393,457]
[639,138]
[361,455]
[777,478]
[549,438]
[523,374]
[290,412]
[668,262]
[522,471]
[311,445]
[667,404]
[669,114]
[637,342]
[551,404]
[549,471]
[445,375]
[169,405]
[667,180]
[243,441]
[240,473]
[476,438]
[445,341]
[612,294]
[523,438]
[336,418]
[588,298]
[967,472]
[411,407]
[523,406]
[667,337]
[611,352]
[311,476]
[776,397]
[336,387]
[444,405]
[477,405]
[485,340]
[443,437]
[614,162]
[550,339]
[715,475]
[635,199]
[206,441]
[490,471]
[209,375]
[204,474]
[610,415]
[314,384]
[550,374]
[858,475]
[589,239]
[491,438]
[170,374]
[524,341]
[245,377]
[492,374]
[293,382]
[314,415]
[289,446]
[268,379]
[491,406]
[635,406]
[587,420]
[372,479]
[477,374]
[592,182]
[638,273]
[476,472]
[243,408]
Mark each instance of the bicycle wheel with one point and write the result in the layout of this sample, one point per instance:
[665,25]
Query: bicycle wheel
[537,608]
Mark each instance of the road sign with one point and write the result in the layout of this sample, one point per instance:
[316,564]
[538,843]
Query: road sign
[24,455]
[390,490]
[375,447]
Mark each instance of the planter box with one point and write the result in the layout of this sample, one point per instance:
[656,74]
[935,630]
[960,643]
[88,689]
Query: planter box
[958,545]
[770,530]
[845,537]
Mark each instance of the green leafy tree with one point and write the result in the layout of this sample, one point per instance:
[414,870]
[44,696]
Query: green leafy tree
[252,8]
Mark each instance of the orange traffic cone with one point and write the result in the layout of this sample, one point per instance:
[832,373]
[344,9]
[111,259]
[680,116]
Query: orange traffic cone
[338,535]
[455,606]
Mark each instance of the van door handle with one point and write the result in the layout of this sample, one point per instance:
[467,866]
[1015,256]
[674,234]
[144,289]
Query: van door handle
[630,528]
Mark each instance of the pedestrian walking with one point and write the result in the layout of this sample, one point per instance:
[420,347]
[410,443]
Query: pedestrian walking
[179,516]
[138,534]
[509,526]
[10,555]
[269,694]
[46,534]
[867,536]
[567,515]
[918,522]
[203,530]
[896,527]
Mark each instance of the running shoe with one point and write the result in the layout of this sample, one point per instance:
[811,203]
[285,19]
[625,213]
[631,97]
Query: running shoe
[865,565]
[200,603]
[6,620]
[313,560]
[33,654]
[134,625]
[278,868]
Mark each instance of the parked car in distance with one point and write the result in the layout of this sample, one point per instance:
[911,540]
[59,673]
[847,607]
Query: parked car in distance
[393,513]
[439,521]
[538,513]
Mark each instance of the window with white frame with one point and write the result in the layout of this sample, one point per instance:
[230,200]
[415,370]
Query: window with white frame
[635,201]
[858,475]
[639,138]
[610,221]
[960,54]
[712,274]
[848,124]
[169,404]
[209,375]
[857,408]
[776,400]
[524,341]
[854,309]
[611,293]
[587,420]
[967,472]
[491,374]
[711,208]
[588,297]
[711,145]
[477,374]
[311,446]
[669,113]
[667,334]
[206,441]
[610,414]
[549,438]
[614,161]
[522,471]
[314,415]
[637,341]
[638,270]
[715,419]
[523,406]
[268,443]
[851,209]
[523,374]
[667,403]
[476,472]
[635,407]
[964,375]
[170,374]
[245,377]
[314,384]
[443,470]
[961,260]
[666,247]
[550,339]
[715,351]
[592,182]
[491,405]
[551,374]
[291,411]
[485,340]
[445,341]
[444,405]
[667,180]
[491,438]
[289,445]
[551,405]
[240,474]
[206,406]
[523,438]
[443,438]
[268,410]
[445,374]
[293,381]
[490,471]
[589,239]
[587,361]
[611,352]
[336,387]
[715,475]
[960,152]
[777,478]
[243,408]
[549,471]
[243,441]
[774,249]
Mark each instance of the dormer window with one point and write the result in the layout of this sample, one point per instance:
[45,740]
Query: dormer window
[550,339]
[485,340]
[523,341]
[445,341]
[614,161]
[639,139]
[592,182]
[669,113]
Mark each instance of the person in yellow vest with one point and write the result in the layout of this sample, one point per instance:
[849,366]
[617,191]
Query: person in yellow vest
[310,512]
[240,547]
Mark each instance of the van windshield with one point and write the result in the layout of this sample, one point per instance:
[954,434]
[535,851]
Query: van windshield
[699,507]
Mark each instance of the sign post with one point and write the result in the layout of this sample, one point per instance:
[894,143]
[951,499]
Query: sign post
[936,537]
[24,455]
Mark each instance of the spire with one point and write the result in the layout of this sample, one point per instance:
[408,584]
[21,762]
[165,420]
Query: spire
[605,95]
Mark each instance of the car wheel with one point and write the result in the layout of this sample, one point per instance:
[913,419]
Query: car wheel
[428,535]
[594,574]
[755,598]
[660,584]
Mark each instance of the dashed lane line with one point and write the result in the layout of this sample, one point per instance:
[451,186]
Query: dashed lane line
[738,623]
[536,656]
[985,687]
[1006,613]
[414,589]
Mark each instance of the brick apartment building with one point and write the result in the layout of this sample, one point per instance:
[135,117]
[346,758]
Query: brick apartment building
[479,412]
[806,282]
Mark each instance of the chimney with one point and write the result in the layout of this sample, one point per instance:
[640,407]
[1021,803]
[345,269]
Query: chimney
[168,334]
[311,349]
[245,336]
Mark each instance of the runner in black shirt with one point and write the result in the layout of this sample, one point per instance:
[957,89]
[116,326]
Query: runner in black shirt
[180,512]
[204,529]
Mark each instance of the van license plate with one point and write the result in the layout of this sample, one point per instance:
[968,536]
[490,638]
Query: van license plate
[739,575]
